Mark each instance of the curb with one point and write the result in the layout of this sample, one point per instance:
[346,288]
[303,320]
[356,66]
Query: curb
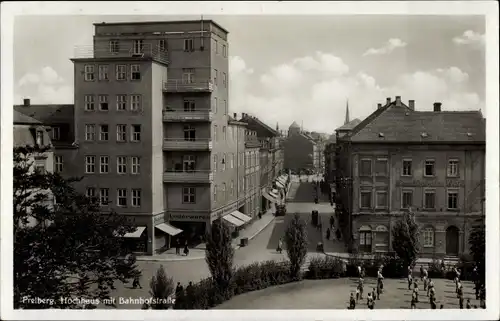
[153,259]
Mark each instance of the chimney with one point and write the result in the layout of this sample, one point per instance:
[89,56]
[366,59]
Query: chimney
[26,102]
[437,106]
[235,116]
[411,104]
[398,100]
[388,100]
[379,106]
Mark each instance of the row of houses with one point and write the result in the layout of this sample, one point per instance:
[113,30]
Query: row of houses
[400,159]
[151,132]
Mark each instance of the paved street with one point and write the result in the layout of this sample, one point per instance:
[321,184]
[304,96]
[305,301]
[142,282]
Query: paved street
[334,294]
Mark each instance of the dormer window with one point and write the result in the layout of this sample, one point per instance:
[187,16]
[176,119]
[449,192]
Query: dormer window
[381,135]
[39,137]
[424,135]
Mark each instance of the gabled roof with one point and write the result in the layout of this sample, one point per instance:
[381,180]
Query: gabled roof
[398,123]
[48,114]
[254,121]
[294,125]
[22,119]
[350,125]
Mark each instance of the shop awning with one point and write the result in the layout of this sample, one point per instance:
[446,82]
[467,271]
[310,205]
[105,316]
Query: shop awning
[274,193]
[137,233]
[241,216]
[233,220]
[269,197]
[280,184]
[169,229]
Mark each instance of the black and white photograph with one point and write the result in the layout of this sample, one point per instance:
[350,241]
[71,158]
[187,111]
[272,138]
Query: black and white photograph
[277,157]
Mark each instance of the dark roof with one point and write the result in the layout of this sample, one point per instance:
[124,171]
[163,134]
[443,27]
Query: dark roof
[332,139]
[350,125]
[294,125]
[160,22]
[48,114]
[254,121]
[22,119]
[393,123]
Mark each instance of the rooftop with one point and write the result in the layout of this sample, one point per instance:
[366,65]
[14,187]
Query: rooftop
[48,114]
[22,119]
[160,22]
[350,125]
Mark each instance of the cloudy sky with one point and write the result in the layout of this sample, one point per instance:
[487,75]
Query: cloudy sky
[302,68]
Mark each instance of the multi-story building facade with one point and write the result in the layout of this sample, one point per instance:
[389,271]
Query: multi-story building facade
[431,164]
[252,174]
[300,150]
[330,164]
[151,122]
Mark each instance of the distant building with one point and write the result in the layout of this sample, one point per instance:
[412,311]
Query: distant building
[398,160]
[301,150]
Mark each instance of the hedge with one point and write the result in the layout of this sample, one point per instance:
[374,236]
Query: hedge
[325,268]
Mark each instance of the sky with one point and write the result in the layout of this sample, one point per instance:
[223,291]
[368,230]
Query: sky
[294,68]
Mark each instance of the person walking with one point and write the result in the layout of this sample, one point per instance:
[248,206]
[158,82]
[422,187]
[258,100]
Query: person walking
[430,287]
[433,303]
[177,247]
[415,289]
[328,234]
[137,281]
[410,280]
[421,272]
[360,288]
[186,249]
[352,302]
[332,222]
[280,246]
[413,301]
[468,305]
[380,280]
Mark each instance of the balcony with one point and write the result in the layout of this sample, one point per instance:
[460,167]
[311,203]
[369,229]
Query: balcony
[181,144]
[186,85]
[188,176]
[170,115]
[105,51]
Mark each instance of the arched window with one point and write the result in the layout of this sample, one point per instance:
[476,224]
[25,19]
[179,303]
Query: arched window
[428,236]
[365,239]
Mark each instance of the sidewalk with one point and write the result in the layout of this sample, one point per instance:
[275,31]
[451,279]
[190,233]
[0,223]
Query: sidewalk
[198,252]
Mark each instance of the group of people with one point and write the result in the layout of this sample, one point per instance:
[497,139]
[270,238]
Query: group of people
[332,228]
[178,247]
[428,287]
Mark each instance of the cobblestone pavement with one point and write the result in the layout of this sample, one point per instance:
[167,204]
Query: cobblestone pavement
[334,294]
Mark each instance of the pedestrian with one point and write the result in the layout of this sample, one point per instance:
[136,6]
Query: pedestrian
[430,287]
[370,302]
[280,246]
[379,290]
[459,289]
[328,233]
[190,295]
[482,297]
[332,221]
[137,281]
[352,302]
[457,278]
[425,283]
[410,281]
[380,280]
[186,249]
[177,247]
[415,289]
[359,270]
[360,287]
[468,305]
[433,303]
[442,306]
[413,301]
[178,288]
[421,272]
[461,302]
[374,293]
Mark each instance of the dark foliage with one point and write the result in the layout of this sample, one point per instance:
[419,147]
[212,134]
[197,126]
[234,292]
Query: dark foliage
[405,239]
[219,257]
[477,243]
[161,290]
[296,245]
[326,267]
[69,250]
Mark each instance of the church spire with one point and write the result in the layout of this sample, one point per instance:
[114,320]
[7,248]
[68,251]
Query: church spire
[277,127]
[347,113]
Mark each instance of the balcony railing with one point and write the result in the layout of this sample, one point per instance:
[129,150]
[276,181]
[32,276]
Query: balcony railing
[187,85]
[173,144]
[106,51]
[183,115]
[187,176]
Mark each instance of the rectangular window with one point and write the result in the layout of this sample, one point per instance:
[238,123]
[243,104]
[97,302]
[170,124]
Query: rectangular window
[223,162]
[366,199]
[89,102]
[428,235]
[121,164]
[215,76]
[452,200]
[452,168]
[121,102]
[188,75]
[232,160]
[224,79]
[121,197]
[224,50]
[365,167]
[121,72]
[215,44]
[89,72]
[135,163]
[121,133]
[104,164]
[136,197]
[58,164]
[429,167]
[224,133]
[135,102]
[103,72]
[215,163]
[103,103]
[215,194]
[40,167]
[224,106]
[381,199]
[90,192]
[39,137]
[215,132]
[407,168]
[162,45]
[429,199]
[189,105]
[381,165]
[135,71]
[189,133]
[114,46]
[104,196]
[215,105]
[188,45]
[104,132]
[407,199]
[89,164]
[56,133]
[136,133]
[138,46]
[189,195]
[89,132]
[231,191]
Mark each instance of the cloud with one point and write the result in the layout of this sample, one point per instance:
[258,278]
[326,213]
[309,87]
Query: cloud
[304,91]
[44,87]
[471,38]
[387,48]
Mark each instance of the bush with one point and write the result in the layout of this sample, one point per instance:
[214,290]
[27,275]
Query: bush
[327,267]
[435,270]
[296,245]
[393,266]
[161,289]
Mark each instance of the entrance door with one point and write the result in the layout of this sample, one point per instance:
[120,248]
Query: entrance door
[365,241]
[452,241]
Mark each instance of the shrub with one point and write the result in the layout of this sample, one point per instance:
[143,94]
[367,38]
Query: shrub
[296,245]
[161,289]
[325,268]
[405,239]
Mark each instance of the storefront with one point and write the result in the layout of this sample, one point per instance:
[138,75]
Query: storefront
[136,241]
[193,226]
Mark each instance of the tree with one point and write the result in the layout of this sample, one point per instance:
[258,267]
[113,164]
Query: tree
[65,250]
[219,257]
[477,243]
[161,290]
[405,239]
[296,244]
